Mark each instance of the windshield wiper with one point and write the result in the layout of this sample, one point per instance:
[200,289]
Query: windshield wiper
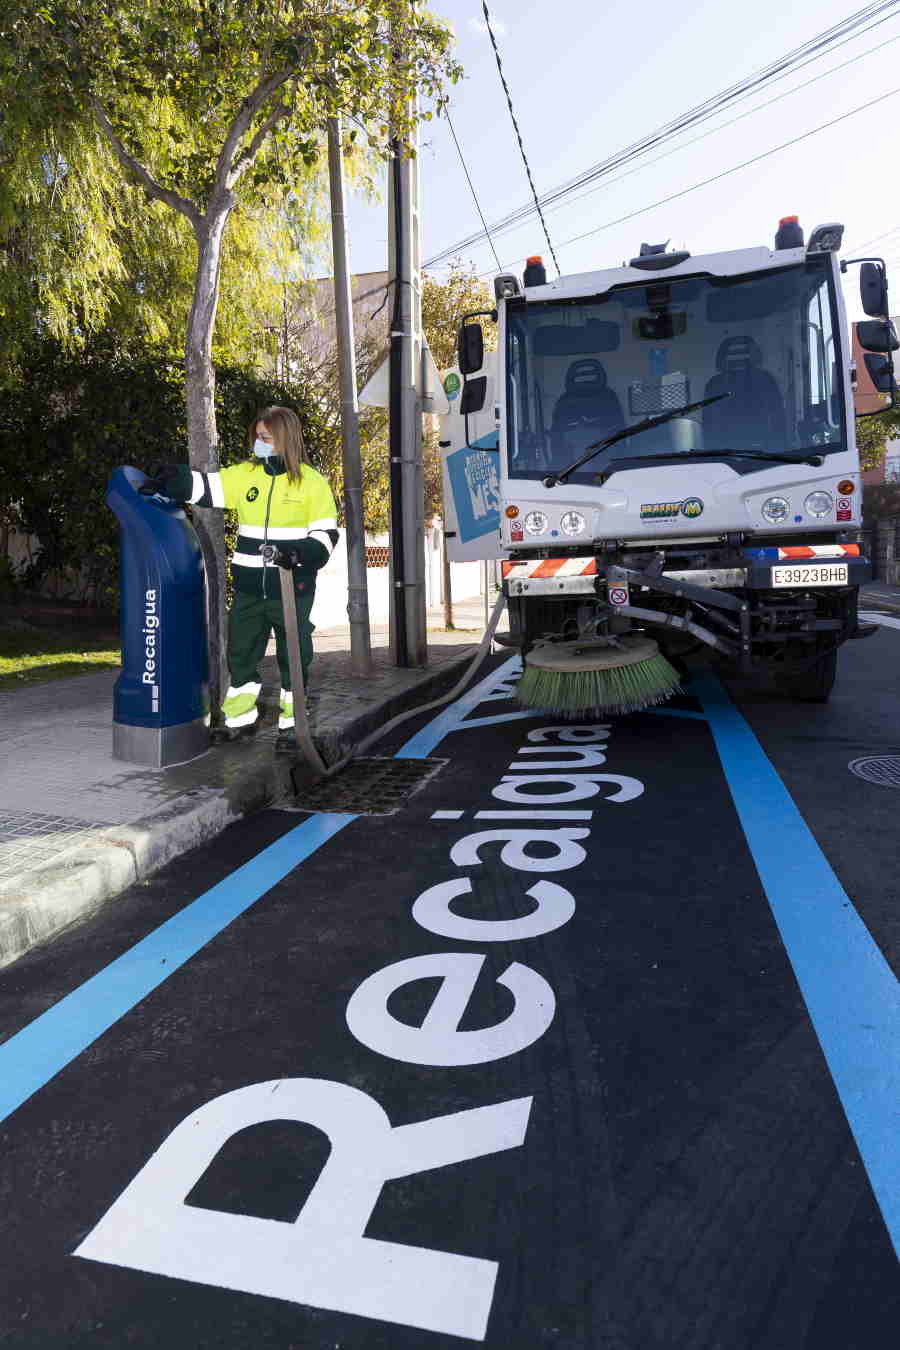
[817,460]
[593,450]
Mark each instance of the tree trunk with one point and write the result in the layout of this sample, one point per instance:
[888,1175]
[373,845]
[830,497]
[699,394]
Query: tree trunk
[203,440]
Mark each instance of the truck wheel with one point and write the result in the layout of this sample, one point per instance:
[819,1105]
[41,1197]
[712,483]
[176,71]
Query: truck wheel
[814,684]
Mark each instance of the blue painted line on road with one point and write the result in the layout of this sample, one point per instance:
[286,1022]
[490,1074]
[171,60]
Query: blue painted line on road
[851,993]
[886,620]
[424,742]
[677,712]
[34,1055]
[38,1052]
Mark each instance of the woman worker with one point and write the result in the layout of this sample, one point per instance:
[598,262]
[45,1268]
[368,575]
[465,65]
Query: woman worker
[280,499]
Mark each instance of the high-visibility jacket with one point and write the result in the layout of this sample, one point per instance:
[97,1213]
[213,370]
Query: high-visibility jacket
[271,508]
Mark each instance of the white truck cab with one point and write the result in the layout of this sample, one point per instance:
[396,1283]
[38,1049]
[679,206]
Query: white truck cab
[670,444]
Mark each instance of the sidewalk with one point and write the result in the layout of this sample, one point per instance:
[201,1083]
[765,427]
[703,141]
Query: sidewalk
[77,826]
[880,595]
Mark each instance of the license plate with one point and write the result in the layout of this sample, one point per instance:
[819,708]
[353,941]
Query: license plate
[810,574]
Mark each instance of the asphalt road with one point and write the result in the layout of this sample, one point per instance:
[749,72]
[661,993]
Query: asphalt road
[625,1075]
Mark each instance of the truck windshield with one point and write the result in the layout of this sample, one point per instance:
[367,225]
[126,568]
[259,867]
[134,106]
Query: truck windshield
[580,370]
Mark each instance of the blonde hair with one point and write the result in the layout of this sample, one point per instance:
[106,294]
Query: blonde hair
[287,435]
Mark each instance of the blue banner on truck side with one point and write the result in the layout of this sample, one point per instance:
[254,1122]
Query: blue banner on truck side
[475,483]
[161,697]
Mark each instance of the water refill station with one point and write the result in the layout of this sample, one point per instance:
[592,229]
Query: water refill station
[161,698]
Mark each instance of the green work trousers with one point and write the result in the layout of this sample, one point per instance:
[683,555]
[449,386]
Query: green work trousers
[250,623]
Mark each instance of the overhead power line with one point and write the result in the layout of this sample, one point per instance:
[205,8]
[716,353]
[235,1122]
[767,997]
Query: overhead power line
[674,196]
[487,19]
[876,239]
[811,50]
[854,26]
[795,140]
[685,145]
[462,161]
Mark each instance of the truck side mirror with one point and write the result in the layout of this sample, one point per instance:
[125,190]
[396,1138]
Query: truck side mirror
[877,335]
[473,396]
[470,348]
[873,290]
[881,372]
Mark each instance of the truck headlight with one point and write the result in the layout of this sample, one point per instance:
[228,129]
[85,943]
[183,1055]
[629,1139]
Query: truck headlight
[819,504]
[776,509]
[573,522]
[536,522]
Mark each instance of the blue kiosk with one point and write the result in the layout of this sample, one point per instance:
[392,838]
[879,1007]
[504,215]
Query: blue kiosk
[161,698]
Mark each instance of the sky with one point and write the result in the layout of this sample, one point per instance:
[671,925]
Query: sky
[587,78]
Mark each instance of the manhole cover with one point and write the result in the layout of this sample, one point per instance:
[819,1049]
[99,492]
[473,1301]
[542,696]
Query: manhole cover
[369,787]
[881,769]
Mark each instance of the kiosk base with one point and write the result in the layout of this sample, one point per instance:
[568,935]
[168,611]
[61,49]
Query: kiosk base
[160,747]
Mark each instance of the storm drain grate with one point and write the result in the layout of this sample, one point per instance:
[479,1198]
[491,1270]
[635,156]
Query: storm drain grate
[881,769]
[369,787]
[30,838]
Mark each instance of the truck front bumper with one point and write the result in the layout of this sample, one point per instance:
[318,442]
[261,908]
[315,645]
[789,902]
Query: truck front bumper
[587,576]
[716,605]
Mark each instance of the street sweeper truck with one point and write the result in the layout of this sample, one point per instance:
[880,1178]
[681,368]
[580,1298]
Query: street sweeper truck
[663,456]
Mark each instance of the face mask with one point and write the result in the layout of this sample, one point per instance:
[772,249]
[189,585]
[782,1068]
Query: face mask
[262,449]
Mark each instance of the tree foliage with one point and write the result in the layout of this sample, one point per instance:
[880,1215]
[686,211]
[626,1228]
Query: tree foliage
[315,362]
[873,434]
[68,419]
[176,81]
[206,103]
[115,112]
[82,251]
[315,368]
[444,303]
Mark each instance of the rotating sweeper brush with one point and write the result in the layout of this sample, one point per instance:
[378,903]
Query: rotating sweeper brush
[599,677]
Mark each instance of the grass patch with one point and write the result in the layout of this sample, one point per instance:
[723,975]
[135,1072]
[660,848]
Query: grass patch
[31,654]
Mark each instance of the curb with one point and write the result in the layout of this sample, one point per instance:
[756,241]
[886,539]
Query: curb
[44,901]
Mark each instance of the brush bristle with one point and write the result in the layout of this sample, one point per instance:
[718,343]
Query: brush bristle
[599,693]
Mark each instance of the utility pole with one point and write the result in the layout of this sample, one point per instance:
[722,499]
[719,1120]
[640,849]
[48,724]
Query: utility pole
[446,582]
[284,333]
[357,592]
[405,370]
[408,624]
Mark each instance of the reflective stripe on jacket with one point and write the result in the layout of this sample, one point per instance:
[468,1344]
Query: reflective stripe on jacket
[271,508]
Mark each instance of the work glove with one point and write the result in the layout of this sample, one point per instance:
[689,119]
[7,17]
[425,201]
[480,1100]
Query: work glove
[164,473]
[306,556]
[287,558]
[174,481]
[159,479]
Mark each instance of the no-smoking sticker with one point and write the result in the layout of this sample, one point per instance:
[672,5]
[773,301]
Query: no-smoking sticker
[618,595]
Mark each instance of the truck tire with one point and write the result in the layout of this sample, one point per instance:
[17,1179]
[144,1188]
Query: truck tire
[813,685]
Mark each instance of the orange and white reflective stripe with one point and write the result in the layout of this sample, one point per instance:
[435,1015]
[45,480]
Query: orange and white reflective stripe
[549,567]
[820,551]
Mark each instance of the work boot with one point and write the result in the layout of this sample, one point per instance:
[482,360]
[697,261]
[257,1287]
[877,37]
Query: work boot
[225,735]
[286,709]
[239,706]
